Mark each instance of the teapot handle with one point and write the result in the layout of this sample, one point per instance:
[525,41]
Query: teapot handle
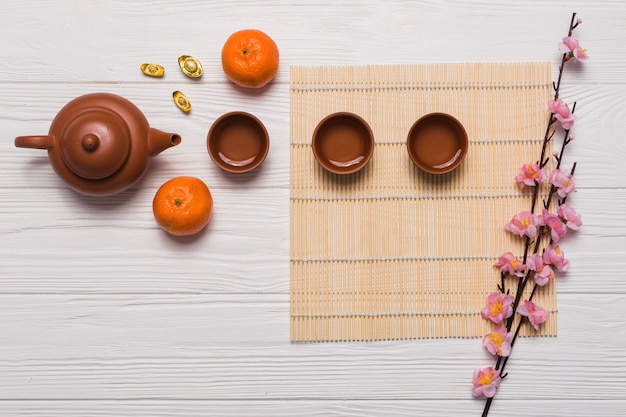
[36,142]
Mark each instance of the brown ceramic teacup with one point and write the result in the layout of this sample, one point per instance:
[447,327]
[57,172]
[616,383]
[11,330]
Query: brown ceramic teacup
[238,142]
[343,143]
[437,143]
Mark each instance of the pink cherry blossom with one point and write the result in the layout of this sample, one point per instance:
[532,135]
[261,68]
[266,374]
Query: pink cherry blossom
[498,342]
[559,107]
[486,381]
[509,263]
[571,47]
[498,308]
[563,181]
[523,224]
[558,229]
[530,174]
[581,54]
[536,315]
[569,216]
[543,271]
[553,255]
[562,113]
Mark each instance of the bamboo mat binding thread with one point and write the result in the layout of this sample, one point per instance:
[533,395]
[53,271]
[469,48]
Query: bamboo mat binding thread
[392,252]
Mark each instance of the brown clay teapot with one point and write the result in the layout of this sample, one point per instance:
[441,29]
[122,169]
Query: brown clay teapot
[100,144]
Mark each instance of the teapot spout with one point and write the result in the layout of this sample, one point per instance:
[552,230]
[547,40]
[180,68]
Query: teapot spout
[159,141]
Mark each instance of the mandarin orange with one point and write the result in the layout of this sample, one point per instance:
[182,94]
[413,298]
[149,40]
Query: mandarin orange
[250,58]
[182,206]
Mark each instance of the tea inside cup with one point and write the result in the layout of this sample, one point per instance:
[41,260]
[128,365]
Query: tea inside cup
[437,143]
[343,143]
[238,142]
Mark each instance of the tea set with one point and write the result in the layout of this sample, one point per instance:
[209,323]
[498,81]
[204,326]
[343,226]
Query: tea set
[100,144]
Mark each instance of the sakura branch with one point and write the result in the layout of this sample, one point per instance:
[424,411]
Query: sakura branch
[542,229]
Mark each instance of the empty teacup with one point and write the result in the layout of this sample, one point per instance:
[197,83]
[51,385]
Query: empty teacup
[437,143]
[343,143]
[238,142]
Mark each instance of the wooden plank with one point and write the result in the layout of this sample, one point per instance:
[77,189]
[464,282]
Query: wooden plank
[56,242]
[206,347]
[599,111]
[309,408]
[79,46]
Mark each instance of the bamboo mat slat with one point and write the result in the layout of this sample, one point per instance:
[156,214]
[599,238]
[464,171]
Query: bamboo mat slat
[391,252]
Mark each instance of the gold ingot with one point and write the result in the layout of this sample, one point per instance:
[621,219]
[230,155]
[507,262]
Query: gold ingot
[190,66]
[153,70]
[181,101]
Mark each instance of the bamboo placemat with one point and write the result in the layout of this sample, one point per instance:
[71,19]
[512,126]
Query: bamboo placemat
[392,252]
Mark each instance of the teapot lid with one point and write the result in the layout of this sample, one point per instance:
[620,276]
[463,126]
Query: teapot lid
[95,144]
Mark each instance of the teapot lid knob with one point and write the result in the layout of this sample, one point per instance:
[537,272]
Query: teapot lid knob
[95,144]
[90,142]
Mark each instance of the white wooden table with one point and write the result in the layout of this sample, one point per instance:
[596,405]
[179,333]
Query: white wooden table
[102,313]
